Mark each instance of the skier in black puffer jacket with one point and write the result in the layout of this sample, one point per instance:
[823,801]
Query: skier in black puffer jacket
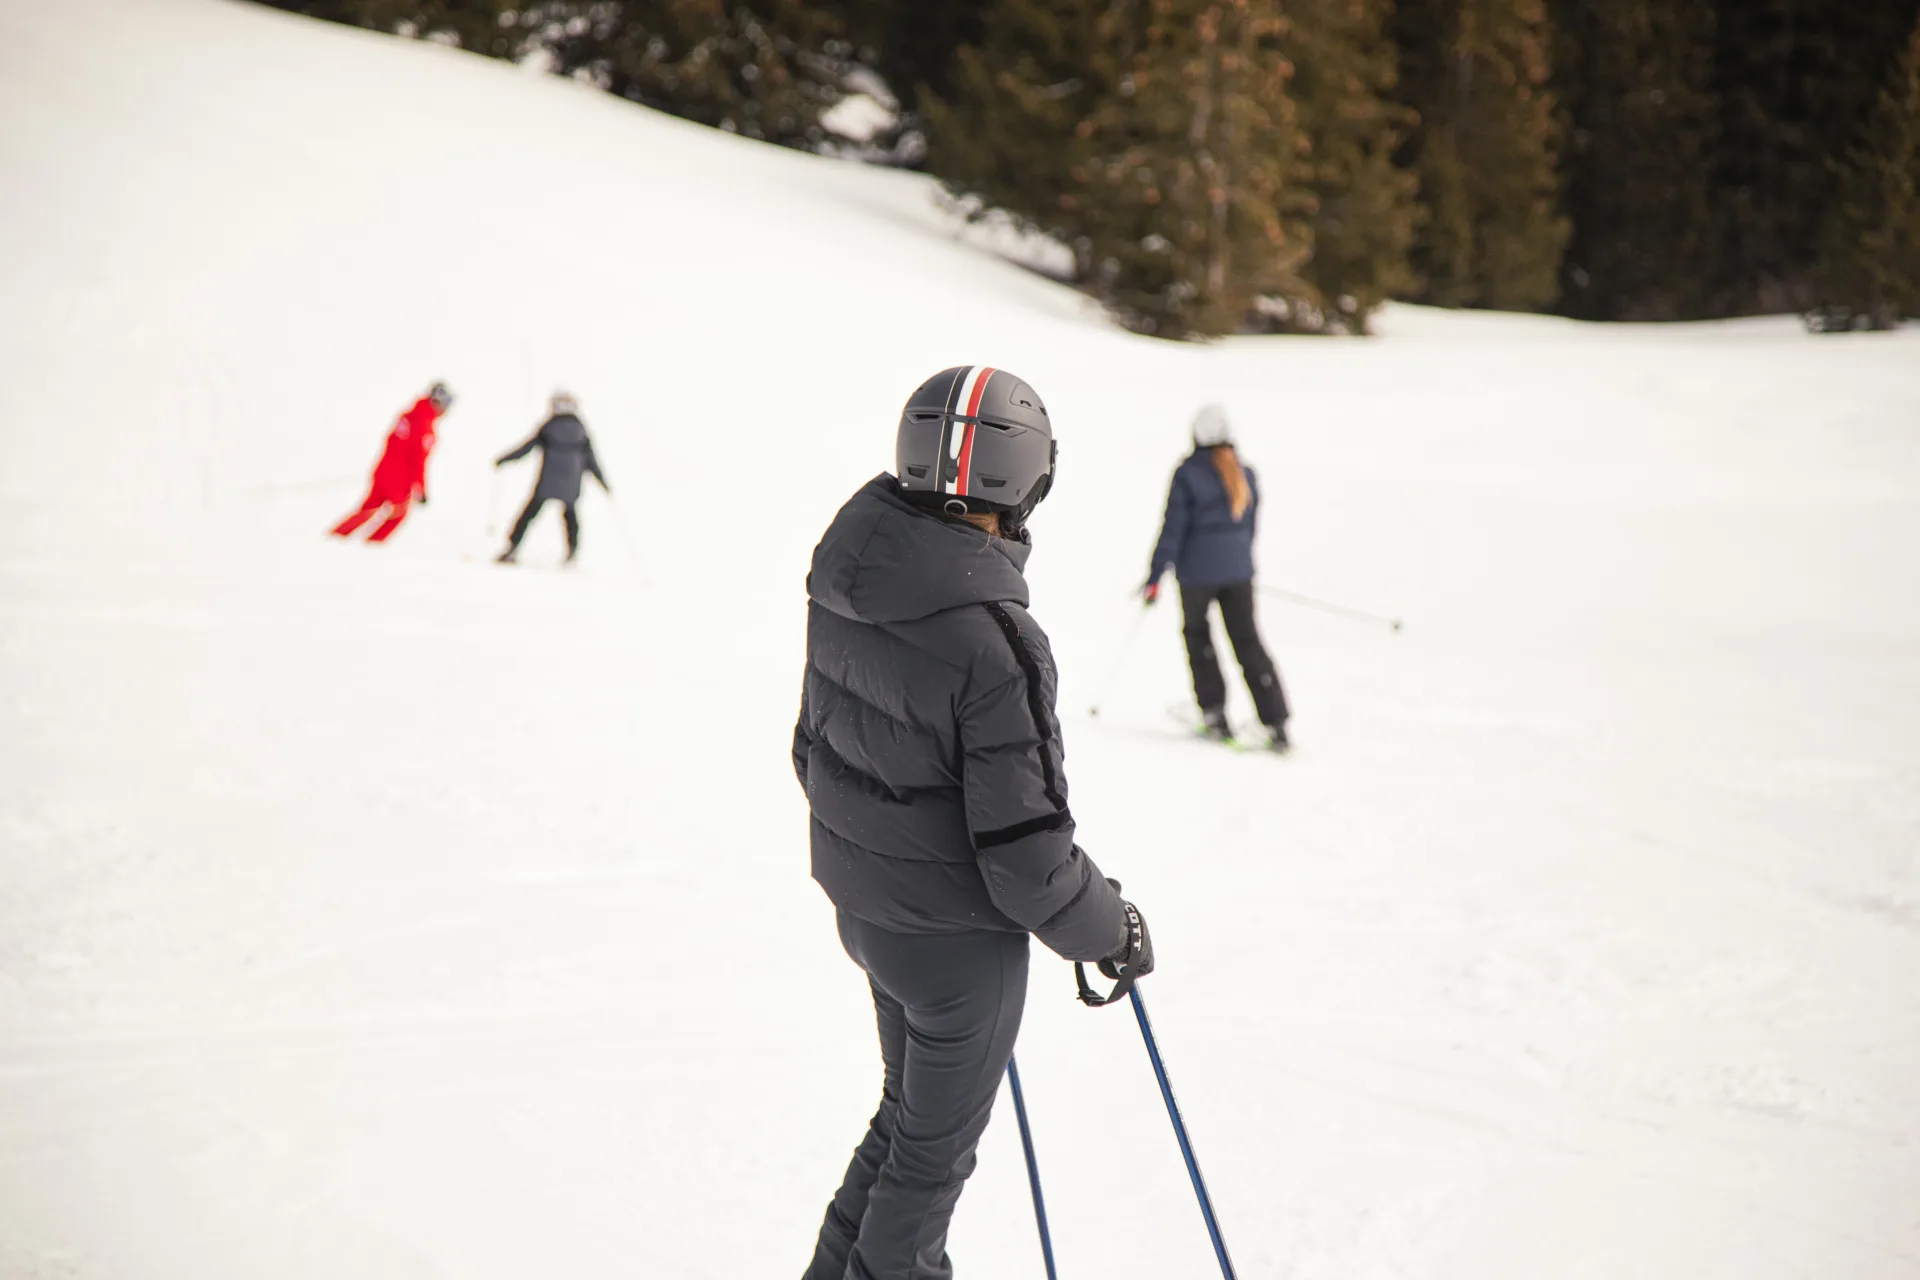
[930,754]
[566,459]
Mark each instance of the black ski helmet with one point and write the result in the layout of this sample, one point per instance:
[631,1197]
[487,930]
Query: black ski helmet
[441,397]
[975,439]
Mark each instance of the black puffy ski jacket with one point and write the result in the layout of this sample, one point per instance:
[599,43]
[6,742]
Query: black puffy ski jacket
[566,457]
[927,740]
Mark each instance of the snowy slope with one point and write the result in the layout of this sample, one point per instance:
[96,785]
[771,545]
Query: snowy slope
[381,913]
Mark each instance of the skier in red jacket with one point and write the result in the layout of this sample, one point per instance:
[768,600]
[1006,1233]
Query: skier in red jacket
[401,472]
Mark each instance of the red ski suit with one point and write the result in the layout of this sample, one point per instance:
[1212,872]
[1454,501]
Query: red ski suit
[400,474]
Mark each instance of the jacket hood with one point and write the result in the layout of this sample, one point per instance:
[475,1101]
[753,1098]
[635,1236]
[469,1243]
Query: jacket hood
[885,560]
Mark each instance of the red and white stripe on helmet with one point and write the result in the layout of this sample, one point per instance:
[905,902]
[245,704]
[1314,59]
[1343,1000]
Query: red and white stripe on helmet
[964,405]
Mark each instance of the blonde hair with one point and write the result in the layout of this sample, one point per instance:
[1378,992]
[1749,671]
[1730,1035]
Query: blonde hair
[1226,460]
[987,522]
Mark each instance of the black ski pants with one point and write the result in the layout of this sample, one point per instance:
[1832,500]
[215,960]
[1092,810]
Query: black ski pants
[1236,610]
[525,521]
[948,1008]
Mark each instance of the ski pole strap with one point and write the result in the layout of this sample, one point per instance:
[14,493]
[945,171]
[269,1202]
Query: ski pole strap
[1126,961]
[1093,999]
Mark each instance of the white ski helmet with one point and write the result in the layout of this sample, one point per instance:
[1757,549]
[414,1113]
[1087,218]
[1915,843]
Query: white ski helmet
[975,439]
[1210,428]
[563,402]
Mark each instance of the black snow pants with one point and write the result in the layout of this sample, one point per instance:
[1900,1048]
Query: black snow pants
[1236,610]
[948,1007]
[525,522]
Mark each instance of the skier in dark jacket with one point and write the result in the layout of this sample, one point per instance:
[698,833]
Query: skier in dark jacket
[1207,540]
[566,458]
[930,754]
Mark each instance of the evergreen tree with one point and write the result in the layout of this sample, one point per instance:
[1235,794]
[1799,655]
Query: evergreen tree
[1018,123]
[1870,262]
[1214,180]
[914,44]
[1486,150]
[1365,206]
[911,47]
[1634,76]
[1797,81]
[353,13]
[764,69]
[1158,141]
[483,26]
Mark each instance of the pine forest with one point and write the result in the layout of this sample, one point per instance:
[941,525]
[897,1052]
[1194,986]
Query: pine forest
[1237,166]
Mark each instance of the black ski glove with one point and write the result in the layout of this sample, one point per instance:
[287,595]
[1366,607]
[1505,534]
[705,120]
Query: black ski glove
[1130,961]
[1134,957]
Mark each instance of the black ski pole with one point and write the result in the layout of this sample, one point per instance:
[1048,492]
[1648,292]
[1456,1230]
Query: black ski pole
[1326,606]
[1120,661]
[493,503]
[1180,1132]
[1033,1167]
[633,551]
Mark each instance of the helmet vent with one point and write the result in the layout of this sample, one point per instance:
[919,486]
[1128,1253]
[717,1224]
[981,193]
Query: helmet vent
[989,482]
[918,473]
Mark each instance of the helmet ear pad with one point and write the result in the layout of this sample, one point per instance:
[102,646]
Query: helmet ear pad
[1010,465]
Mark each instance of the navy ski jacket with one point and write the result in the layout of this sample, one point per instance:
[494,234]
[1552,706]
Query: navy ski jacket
[927,742]
[566,457]
[1199,538]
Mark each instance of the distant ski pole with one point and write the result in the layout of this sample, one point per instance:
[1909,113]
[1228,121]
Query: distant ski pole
[1180,1132]
[1326,606]
[1119,661]
[493,503]
[626,537]
[1033,1167]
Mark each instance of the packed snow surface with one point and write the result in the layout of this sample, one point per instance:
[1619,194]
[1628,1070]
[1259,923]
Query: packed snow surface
[383,913]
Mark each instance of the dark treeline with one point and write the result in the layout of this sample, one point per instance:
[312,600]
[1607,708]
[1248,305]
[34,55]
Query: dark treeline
[1223,166]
